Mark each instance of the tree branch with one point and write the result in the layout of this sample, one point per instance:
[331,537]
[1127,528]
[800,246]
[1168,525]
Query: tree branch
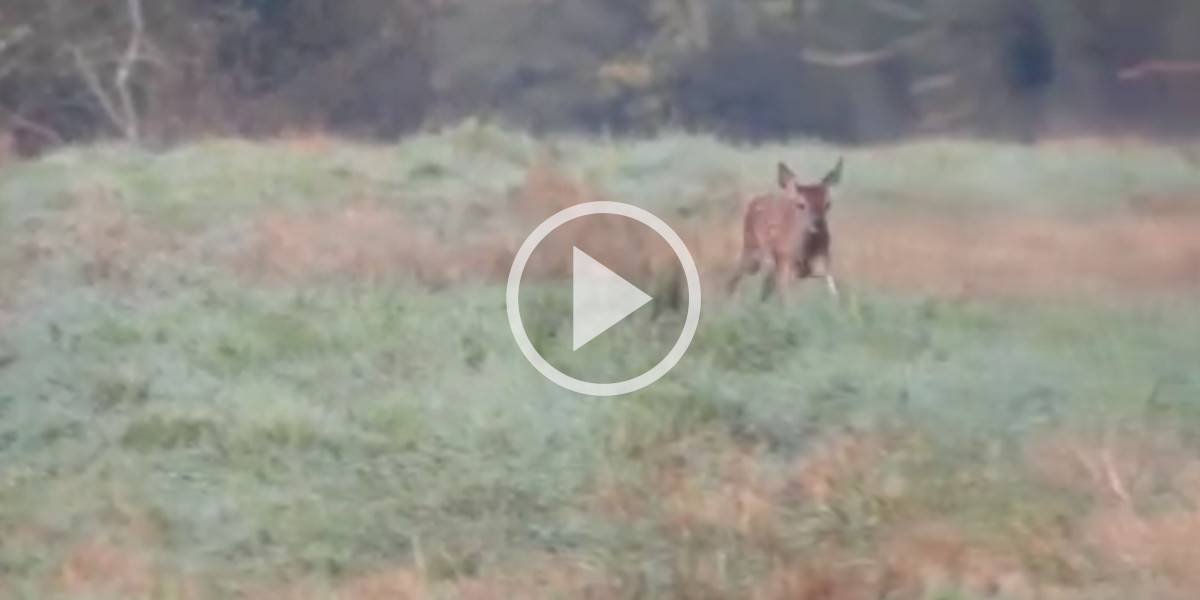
[851,60]
[125,70]
[1159,67]
[92,80]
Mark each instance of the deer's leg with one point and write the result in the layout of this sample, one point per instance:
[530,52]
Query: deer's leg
[749,263]
[784,271]
[831,283]
[803,268]
[827,273]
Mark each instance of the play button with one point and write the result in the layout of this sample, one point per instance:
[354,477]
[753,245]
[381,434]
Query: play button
[601,299]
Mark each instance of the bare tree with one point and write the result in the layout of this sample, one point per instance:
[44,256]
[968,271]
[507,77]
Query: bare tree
[118,103]
[869,58]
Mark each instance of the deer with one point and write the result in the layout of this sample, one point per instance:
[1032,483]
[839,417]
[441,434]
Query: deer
[789,228]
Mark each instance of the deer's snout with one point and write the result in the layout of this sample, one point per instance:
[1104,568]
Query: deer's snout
[817,224]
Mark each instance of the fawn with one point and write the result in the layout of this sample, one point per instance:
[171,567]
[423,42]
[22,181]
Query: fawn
[789,228]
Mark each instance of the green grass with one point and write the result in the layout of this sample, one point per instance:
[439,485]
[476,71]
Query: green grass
[435,175]
[275,431]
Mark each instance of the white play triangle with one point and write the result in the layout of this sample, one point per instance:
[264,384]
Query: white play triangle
[600,298]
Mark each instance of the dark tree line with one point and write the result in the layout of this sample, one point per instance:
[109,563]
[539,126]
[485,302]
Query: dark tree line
[850,70]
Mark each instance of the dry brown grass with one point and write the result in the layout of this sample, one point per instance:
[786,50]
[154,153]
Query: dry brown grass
[819,580]
[688,491]
[839,461]
[740,499]
[687,488]
[120,564]
[1166,543]
[367,241]
[1022,256]
[393,584]
[533,578]
[709,484]
[310,140]
[1139,516]
[542,577]
[111,241]
[115,241]
[364,241]
[1153,248]
[911,564]
[624,245]
[919,559]
[1143,489]
[100,566]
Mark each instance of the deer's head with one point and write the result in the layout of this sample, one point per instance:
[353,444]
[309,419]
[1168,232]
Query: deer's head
[813,200]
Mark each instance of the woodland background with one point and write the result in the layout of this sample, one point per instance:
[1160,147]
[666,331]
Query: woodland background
[852,71]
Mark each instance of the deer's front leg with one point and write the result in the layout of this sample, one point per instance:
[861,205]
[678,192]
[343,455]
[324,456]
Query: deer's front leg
[831,283]
[784,271]
[824,266]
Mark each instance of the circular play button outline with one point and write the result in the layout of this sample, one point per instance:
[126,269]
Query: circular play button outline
[691,320]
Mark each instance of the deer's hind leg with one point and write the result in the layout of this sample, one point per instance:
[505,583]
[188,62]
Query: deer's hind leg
[750,263]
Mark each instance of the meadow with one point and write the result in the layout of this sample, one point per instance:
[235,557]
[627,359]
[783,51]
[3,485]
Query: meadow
[281,369]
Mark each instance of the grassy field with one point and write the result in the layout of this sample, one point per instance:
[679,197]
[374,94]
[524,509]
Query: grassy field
[283,370]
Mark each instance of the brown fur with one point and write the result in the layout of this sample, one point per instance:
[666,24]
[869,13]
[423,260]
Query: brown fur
[789,228]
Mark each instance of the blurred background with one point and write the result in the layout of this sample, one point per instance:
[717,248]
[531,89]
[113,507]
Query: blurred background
[848,71]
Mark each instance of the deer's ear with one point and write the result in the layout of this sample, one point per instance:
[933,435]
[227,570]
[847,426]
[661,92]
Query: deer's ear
[834,176]
[786,176]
